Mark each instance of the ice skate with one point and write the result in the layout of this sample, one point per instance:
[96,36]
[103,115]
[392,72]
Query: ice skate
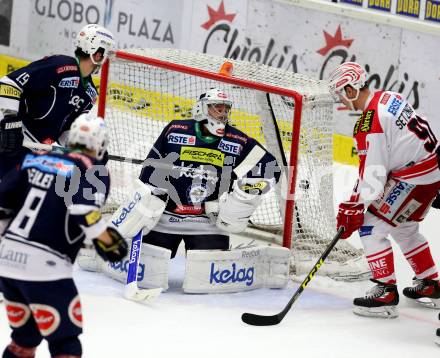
[380,302]
[425,292]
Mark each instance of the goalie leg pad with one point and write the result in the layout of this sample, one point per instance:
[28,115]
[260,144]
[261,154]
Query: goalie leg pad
[89,260]
[152,271]
[236,270]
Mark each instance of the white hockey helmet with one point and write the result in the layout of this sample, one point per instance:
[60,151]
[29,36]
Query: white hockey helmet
[348,73]
[214,107]
[91,132]
[91,38]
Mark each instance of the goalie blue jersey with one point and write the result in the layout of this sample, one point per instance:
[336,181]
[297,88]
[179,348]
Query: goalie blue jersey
[55,201]
[48,95]
[193,168]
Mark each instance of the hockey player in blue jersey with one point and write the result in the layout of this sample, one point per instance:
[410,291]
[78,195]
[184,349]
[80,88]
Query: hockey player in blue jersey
[209,158]
[50,205]
[39,102]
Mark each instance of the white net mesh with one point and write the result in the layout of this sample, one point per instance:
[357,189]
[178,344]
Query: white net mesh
[142,99]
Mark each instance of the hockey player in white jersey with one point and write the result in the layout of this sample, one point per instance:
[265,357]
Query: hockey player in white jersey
[398,180]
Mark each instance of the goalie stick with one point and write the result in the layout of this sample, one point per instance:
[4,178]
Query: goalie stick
[131,290]
[261,320]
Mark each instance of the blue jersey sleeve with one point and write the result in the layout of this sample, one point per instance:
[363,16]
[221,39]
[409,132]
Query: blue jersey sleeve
[12,187]
[89,199]
[26,82]
[159,163]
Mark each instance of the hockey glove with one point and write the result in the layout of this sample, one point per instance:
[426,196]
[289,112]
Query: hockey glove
[11,136]
[351,217]
[113,252]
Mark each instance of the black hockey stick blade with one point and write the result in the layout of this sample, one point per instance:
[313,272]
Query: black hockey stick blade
[261,320]
[258,320]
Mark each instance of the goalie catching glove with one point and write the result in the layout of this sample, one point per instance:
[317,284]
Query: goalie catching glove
[141,212]
[236,208]
[113,252]
[350,217]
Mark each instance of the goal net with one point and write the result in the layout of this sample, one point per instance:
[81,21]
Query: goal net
[289,114]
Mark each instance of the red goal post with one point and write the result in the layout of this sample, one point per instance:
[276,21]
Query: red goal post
[143,86]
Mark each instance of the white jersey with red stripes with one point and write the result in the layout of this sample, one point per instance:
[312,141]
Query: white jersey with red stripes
[392,141]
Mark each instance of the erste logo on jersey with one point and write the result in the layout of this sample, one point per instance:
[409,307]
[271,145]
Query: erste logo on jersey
[230,147]
[91,92]
[69,82]
[183,139]
[394,106]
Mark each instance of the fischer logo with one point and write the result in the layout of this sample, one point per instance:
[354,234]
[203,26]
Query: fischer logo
[177,138]
[122,266]
[234,275]
[125,211]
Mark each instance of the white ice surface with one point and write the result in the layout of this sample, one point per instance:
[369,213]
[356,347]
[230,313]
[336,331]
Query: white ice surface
[321,324]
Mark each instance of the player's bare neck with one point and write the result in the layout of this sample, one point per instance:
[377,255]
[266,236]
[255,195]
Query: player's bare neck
[362,102]
[86,67]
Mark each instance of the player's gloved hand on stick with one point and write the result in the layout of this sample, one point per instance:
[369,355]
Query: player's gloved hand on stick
[11,136]
[351,217]
[113,252]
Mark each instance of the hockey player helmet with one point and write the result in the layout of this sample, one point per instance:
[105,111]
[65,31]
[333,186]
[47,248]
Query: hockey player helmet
[91,132]
[213,108]
[348,73]
[93,37]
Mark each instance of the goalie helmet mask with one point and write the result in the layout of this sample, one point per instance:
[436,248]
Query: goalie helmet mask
[93,37]
[91,132]
[213,109]
[347,74]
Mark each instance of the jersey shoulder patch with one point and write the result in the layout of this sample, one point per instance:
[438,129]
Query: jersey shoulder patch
[233,134]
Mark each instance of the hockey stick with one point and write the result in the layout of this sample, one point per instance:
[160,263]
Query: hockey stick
[40,146]
[260,320]
[131,290]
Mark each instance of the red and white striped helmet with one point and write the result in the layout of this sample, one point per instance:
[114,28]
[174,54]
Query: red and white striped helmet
[348,73]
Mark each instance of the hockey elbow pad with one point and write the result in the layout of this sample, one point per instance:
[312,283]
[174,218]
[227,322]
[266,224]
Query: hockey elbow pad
[11,135]
[113,252]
